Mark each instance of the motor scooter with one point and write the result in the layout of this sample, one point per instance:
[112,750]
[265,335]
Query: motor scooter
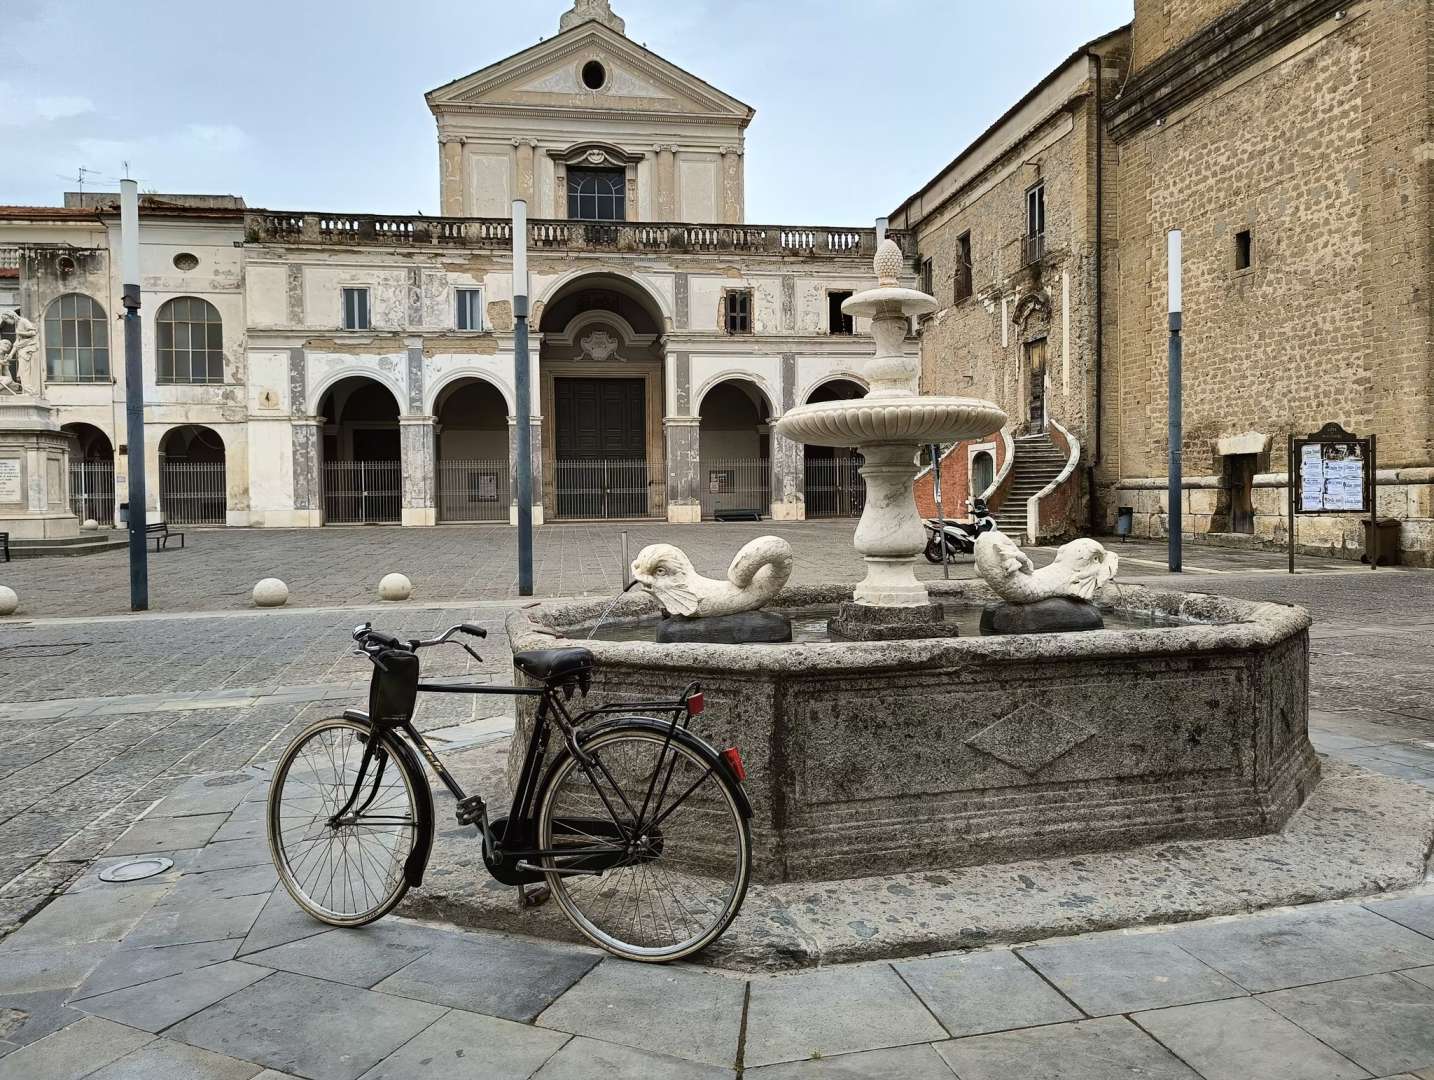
[960,536]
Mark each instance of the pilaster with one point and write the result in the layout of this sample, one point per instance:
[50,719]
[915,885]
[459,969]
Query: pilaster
[418,464]
[684,457]
[535,435]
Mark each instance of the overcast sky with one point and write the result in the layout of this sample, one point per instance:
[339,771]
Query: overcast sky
[318,104]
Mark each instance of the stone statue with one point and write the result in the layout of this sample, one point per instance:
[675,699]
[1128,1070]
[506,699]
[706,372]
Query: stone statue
[1054,598]
[584,10]
[20,371]
[696,608]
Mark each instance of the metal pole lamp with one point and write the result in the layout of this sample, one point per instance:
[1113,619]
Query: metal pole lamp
[523,377]
[1173,516]
[134,394]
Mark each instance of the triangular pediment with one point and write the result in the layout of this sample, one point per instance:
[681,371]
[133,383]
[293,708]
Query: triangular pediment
[549,75]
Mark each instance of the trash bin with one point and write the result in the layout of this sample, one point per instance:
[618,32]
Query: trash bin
[1381,542]
[124,513]
[1124,521]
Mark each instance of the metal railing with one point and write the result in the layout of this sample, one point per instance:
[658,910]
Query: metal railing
[1033,249]
[92,491]
[473,491]
[834,487]
[362,493]
[192,492]
[601,488]
[735,484]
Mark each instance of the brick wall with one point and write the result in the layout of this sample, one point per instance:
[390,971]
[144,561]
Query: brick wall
[1160,25]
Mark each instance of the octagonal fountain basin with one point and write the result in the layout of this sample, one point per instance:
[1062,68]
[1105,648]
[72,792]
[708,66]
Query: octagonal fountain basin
[1186,718]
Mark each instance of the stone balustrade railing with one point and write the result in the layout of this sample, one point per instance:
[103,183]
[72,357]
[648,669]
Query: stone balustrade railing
[265,226]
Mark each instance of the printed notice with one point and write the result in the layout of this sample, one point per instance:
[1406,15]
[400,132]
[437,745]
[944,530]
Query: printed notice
[1332,477]
[11,489]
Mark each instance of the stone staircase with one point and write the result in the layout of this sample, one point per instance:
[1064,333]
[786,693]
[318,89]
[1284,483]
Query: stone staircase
[1038,461]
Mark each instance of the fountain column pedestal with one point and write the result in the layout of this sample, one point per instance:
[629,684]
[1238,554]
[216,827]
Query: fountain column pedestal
[890,533]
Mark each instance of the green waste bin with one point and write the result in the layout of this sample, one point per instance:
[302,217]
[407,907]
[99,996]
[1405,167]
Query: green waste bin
[1381,542]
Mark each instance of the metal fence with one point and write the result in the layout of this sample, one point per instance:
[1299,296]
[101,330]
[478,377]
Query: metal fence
[735,484]
[192,492]
[606,489]
[362,493]
[834,487]
[473,491]
[92,490]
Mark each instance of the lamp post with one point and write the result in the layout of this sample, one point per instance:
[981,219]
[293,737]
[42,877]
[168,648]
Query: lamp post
[1176,469]
[134,394]
[523,378]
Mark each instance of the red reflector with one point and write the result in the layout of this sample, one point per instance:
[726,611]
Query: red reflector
[733,757]
[695,704]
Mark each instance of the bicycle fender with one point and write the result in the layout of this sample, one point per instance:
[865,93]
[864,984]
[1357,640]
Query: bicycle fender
[696,744]
[417,861]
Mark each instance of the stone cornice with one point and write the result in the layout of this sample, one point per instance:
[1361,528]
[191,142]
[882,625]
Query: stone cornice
[1222,49]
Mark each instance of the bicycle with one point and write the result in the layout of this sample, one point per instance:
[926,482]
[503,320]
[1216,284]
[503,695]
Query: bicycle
[637,827]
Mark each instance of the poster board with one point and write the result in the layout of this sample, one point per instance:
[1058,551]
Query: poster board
[1331,471]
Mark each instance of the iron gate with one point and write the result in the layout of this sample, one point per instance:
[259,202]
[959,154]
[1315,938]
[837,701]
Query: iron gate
[362,493]
[473,491]
[834,487]
[735,484]
[604,489]
[192,492]
[92,491]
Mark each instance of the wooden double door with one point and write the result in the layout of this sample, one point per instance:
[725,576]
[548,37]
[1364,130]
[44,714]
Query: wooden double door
[601,447]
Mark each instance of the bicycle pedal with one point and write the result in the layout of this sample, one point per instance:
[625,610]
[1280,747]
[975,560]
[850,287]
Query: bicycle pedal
[531,896]
[470,810]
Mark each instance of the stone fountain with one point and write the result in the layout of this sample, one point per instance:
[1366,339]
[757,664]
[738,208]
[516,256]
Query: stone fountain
[889,426]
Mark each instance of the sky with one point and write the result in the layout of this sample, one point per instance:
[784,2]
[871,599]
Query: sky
[318,104]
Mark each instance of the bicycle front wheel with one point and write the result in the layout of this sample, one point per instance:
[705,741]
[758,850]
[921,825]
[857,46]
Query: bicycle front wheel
[346,871]
[664,848]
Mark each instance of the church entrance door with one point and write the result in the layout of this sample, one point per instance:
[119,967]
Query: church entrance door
[601,451]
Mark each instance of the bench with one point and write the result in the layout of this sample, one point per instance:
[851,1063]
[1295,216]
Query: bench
[738,515]
[161,534]
[5,545]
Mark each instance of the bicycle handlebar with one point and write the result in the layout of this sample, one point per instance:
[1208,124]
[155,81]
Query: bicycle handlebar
[368,637]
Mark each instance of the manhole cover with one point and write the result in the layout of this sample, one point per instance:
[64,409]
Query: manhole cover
[135,869]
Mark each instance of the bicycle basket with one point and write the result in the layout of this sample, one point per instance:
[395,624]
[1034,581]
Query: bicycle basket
[393,690]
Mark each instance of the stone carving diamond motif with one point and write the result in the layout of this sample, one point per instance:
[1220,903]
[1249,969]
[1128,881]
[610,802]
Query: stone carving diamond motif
[1030,737]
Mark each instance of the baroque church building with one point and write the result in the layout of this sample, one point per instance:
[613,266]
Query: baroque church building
[305,368]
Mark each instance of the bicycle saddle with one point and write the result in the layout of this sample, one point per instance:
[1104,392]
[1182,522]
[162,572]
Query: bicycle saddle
[554,665]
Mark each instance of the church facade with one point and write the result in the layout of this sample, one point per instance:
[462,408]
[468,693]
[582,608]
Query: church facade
[305,368]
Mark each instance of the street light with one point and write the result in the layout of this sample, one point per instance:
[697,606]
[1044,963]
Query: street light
[523,378]
[1173,515]
[134,395]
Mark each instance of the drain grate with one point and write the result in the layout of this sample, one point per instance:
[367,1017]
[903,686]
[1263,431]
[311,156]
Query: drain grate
[136,869]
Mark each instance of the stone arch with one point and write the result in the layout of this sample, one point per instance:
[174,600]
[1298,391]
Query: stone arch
[757,382]
[193,469]
[563,285]
[835,377]
[457,375]
[339,374]
[472,451]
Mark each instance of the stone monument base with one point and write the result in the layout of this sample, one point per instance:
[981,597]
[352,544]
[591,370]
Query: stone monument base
[743,628]
[34,473]
[1054,615]
[867,622]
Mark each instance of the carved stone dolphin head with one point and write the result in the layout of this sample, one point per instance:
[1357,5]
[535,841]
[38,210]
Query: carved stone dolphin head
[667,573]
[1089,565]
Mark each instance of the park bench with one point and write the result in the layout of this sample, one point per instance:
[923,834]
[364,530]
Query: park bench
[738,515]
[161,534]
[5,545]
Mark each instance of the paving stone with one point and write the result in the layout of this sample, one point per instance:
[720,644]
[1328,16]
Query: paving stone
[833,1011]
[224,884]
[700,1013]
[1383,1023]
[1270,952]
[585,1059]
[154,1006]
[25,1018]
[281,920]
[896,1063]
[975,993]
[73,1052]
[1414,912]
[165,1059]
[29,971]
[178,922]
[130,967]
[83,918]
[1241,1038]
[1085,1050]
[89,881]
[167,834]
[232,854]
[464,1045]
[192,802]
[1121,973]
[360,957]
[317,1029]
[490,974]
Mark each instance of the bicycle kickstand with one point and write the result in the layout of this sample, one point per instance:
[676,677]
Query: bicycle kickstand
[534,895]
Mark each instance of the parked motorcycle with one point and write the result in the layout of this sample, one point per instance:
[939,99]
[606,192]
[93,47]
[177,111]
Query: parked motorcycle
[960,536]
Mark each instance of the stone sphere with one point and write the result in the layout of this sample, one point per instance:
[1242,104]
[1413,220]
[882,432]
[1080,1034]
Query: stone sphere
[271,592]
[395,587]
[89,525]
[8,601]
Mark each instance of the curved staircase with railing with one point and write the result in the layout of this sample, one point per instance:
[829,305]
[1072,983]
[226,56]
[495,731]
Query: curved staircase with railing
[1036,463]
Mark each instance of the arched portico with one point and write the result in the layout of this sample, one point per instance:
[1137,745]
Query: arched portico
[832,483]
[193,485]
[92,474]
[362,479]
[473,451]
[734,436]
[601,379]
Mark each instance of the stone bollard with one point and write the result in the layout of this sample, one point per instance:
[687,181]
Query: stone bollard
[271,592]
[8,601]
[90,525]
[395,587]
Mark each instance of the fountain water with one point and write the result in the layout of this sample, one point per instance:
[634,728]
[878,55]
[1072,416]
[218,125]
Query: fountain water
[889,426]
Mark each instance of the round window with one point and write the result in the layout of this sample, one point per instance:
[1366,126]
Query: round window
[65,264]
[594,75]
[185,261]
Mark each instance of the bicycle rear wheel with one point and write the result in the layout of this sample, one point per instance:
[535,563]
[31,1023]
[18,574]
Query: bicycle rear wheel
[662,891]
[347,872]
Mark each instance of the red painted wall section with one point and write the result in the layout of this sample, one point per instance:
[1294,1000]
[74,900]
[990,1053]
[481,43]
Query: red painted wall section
[955,479]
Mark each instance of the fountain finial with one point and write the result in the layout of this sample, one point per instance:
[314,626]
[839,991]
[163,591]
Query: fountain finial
[887,263]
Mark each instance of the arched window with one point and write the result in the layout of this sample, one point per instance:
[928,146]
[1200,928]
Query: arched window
[597,195]
[77,340]
[190,341]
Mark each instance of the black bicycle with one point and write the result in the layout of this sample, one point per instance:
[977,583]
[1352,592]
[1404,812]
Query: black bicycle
[638,827]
